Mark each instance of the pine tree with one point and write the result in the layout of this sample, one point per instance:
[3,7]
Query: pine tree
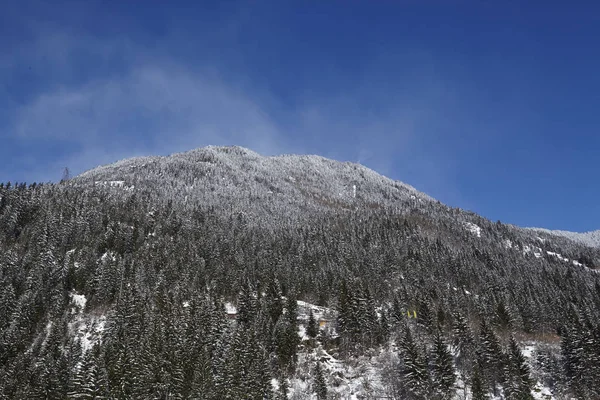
[90,381]
[490,355]
[247,305]
[443,374]
[312,328]
[320,387]
[383,333]
[478,390]
[414,377]
[518,383]
[463,342]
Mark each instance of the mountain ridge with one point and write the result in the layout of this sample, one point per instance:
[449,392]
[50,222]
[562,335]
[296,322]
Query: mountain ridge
[281,179]
[591,238]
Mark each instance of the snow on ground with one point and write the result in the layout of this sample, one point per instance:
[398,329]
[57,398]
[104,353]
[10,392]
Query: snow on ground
[559,256]
[304,309]
[108,255]
[86,328]
[79,300]
[353,379]
[114,184]
[90,332]
[537,252]
[302,333]
[230,308]
[474,229]
[539,392]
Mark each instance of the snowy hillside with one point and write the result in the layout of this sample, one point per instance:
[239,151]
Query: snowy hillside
[222,274]
[588,238]
[251,183]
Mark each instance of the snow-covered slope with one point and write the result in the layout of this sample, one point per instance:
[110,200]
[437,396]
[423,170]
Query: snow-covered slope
[278,189]
[238,180]
[588,238]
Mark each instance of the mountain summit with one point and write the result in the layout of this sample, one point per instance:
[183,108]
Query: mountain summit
[286,187]
[239,178]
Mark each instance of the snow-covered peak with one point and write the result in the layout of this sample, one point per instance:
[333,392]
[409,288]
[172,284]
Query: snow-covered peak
[239,180]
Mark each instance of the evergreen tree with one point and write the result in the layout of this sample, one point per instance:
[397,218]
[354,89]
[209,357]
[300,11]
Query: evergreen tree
[320,387]
[478,390]
[490,356]
[518,383]
[443,374]
[463,342]
[312,328]
[414,377]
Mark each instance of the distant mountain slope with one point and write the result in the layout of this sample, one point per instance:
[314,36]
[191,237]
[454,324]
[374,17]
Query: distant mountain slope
[240,178]
[280,188]
[588,238]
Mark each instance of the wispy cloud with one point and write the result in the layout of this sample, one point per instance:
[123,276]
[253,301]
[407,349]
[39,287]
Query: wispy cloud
[152,109]
[157,105]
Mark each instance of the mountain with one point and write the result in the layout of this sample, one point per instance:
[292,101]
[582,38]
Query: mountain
[223,274]
[287,186]
[591,238]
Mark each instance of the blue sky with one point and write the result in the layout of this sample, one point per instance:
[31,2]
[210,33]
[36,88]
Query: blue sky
[485,105]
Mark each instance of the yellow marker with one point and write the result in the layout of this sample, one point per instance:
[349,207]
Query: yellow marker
[415,313]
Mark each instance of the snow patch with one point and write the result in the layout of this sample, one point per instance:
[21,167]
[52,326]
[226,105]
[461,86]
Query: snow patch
[79,300]
[88,330]
[230,308]
[474,229]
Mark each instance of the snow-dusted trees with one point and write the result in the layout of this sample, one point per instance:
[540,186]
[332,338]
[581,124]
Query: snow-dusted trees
[518,383]
[319,384]
[414,380]
[443,373]
[158,269]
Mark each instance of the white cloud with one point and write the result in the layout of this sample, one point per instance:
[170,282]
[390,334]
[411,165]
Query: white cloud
[155,105]
[150,110]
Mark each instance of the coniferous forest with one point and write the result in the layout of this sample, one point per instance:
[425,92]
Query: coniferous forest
[220,274]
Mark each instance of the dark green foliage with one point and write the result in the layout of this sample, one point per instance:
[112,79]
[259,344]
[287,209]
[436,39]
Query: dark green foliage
[463,342]
[442,374]
[312,327]
[478,389]
[414,377]
[490,356]
[580,348]
[518,383]
[319,384]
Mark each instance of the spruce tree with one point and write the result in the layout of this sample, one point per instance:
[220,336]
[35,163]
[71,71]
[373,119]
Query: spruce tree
[478,389]
[518,383]
[443,374]
[320,387]
[312,328]
[414,377]
[490,356]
